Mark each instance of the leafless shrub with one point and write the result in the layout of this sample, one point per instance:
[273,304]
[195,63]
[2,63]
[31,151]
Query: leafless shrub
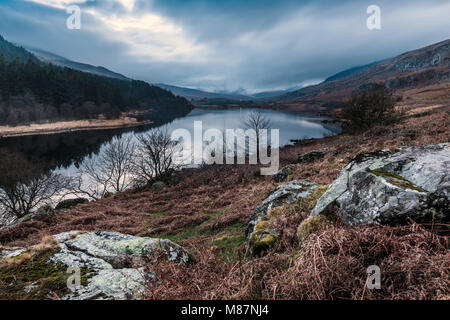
[154,155]
[23,187]
[111,171]
[257,122]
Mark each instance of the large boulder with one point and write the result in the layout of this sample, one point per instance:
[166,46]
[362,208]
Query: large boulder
[392,187]
[110,263]
[260,235]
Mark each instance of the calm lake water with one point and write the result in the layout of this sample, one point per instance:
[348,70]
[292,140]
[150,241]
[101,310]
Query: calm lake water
[64,152]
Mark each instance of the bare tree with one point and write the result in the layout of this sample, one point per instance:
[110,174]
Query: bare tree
[258,122]
[110,171]
[23,186]
[154,156]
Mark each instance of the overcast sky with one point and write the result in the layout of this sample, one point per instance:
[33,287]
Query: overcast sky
[226,45]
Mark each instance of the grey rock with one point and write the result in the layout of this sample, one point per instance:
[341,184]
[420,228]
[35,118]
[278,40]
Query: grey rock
[283,173]
[159,185]
[112,262]
[120,284]
[44,212]
[392,187]
[259,238]
[11,252]
[70,203]
[312,155]
[30,287]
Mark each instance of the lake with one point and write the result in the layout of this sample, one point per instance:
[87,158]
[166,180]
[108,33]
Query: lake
[66,151]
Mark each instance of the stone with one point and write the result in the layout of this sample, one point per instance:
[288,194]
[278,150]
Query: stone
[392,187]
[11,252]
[283,173]
[44,212]
[110,263]
[260,236]
[70,203]
[158,185]
[312,155]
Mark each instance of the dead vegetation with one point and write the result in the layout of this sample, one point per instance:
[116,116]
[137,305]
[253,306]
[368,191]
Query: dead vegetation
[415,264]
[208,210]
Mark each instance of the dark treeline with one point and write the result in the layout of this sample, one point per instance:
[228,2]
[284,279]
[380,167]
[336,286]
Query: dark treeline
[33,91]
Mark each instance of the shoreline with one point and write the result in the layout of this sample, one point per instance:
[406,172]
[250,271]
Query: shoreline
[68,126]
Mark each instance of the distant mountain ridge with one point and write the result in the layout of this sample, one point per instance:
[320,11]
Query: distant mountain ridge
[188,93]
[33,90]
[195,94]
[84,67]
[351,71]
[12,52]
[414,69]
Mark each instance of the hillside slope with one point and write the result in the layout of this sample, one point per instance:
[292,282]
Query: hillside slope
[49,57]
[11,52]
[207,212]
[415,69]
[36,91]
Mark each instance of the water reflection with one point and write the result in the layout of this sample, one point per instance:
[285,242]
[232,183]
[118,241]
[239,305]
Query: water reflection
[66,151]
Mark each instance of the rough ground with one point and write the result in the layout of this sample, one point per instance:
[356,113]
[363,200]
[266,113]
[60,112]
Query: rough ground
[207,213]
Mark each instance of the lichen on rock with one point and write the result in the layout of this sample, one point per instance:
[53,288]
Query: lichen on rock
[392,187]
[260,233]
[110,263]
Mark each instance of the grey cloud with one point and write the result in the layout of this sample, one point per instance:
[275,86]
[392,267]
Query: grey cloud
[255,44]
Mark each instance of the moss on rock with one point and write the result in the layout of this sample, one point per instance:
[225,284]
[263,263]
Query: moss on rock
[397,180]
[32,277]
[262,225]
[308,203]
[312,225]
[263,241]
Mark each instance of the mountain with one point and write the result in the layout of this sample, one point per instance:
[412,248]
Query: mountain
[33,91]
[351,71]
[11,52]
[191,94]
[49,57]
[428,66]
[194,94]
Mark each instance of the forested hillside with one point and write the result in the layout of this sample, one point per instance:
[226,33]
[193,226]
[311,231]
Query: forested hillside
[32,91]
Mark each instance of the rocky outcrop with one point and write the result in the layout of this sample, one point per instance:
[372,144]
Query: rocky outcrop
[110,263]
[312,155]
[46,212]
[158,185]
[260,235]
[283,173]
[392,187]
[70,203]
